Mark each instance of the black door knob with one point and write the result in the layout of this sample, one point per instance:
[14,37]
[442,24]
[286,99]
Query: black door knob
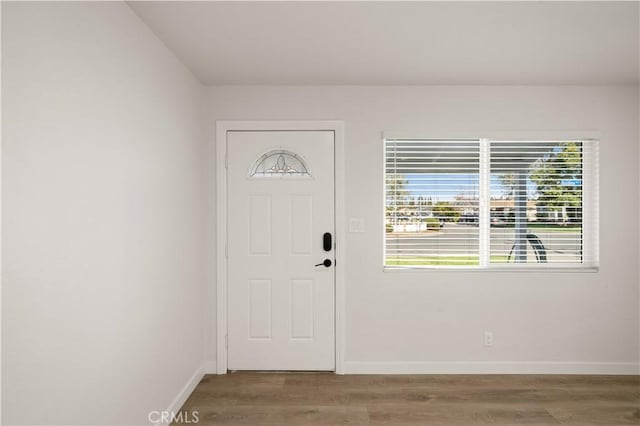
[326,263]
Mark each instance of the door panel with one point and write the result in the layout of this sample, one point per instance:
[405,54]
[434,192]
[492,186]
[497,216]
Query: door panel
[259,224]
[301,224]
[281,202]
[302,309]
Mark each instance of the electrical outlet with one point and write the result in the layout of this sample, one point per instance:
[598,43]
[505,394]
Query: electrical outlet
[488,338]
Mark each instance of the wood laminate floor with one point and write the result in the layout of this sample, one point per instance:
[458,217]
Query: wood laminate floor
[328,399]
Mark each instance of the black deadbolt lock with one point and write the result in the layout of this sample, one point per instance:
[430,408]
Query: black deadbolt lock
[326,241]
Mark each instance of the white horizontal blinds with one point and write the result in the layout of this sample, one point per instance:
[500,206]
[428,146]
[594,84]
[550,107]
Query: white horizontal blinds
[537,202]
[431,202]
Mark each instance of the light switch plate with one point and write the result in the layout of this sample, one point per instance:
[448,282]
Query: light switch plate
[356,224]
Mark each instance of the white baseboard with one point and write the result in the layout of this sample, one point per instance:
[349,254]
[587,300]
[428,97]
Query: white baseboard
[184,393]
[481,367]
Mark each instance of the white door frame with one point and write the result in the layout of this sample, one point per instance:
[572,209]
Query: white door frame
[222,127]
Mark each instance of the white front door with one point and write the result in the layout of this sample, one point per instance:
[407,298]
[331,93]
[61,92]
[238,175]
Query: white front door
[281,204]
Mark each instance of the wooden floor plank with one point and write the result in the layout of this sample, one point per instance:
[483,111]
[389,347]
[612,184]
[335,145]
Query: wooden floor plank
[242,399]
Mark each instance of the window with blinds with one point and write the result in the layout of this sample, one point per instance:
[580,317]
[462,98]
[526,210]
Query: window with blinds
[490,204]
[431,205]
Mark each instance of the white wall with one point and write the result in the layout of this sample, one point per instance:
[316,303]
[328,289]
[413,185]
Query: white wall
[103,178]
[433,321]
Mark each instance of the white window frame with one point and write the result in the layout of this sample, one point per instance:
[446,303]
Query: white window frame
[590,209]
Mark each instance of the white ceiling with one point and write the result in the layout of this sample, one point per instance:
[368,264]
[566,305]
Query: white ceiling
[371,43]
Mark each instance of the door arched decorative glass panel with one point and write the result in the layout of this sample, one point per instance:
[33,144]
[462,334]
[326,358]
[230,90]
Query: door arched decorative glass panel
[279,163]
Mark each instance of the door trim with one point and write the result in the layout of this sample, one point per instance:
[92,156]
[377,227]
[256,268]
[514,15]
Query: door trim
[218,240]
